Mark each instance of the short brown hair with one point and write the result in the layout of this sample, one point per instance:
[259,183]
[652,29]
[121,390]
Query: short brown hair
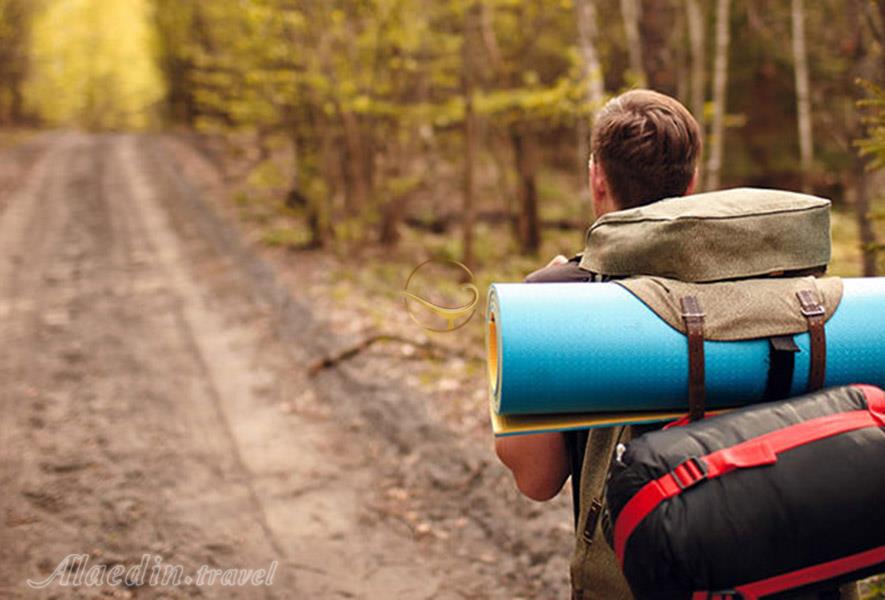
[647,144]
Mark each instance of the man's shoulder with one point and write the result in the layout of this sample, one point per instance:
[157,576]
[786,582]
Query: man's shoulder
[568,272]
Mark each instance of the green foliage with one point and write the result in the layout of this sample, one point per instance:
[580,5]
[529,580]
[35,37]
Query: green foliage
[370,96]
[92,64]
[285,237]
[874,144]
[16,18]
[267,175]
[874,589]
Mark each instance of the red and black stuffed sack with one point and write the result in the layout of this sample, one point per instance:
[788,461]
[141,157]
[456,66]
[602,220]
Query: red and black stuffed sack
[755,503]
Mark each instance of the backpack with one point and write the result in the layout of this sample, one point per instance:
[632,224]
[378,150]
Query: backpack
[687,258]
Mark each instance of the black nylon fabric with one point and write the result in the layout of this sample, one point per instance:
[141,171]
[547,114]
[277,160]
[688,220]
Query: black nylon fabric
[819,502]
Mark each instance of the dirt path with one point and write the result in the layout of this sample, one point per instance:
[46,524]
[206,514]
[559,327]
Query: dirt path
[154,402]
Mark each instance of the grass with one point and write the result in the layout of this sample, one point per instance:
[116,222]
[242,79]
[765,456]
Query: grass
[873,588]
[10,137]
[378,273]
[285,237]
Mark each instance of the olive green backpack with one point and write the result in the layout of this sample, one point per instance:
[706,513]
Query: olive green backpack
[735,264]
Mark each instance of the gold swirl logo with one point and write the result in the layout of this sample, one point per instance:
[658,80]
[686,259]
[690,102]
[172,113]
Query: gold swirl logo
[454,317]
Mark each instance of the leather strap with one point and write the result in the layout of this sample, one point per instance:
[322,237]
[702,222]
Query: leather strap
[693,317]
[597,504]
[815,314]
[781,364]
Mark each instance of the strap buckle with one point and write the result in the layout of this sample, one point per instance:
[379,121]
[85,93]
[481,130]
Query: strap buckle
[809,305]
[691,308]
[689,472]
[814,311]
[724,595]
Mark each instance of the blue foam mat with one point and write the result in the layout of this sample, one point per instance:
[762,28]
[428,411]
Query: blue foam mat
[578,348]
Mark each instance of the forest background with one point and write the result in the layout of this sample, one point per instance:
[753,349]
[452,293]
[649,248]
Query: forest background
[459,129]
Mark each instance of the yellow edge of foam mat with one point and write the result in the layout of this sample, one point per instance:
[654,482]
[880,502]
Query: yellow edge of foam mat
[503,425]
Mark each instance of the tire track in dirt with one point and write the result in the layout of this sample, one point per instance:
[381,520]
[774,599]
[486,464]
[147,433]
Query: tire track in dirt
[148,365]
[449,489]
[96,374]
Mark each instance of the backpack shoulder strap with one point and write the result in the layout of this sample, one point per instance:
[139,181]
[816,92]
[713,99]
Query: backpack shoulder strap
[595,572]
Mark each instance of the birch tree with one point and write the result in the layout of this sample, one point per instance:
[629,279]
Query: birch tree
[588,33]
[591,69]
[720,83]
[630,10]
[864,67]
[803,96]
[695,19]
[472,15]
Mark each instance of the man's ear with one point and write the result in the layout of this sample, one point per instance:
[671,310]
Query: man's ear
[693,184]
[599,189]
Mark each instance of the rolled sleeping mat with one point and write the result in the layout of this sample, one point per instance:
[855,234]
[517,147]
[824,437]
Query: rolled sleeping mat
[595,347]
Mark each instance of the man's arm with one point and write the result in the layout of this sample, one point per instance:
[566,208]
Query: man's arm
[539,462]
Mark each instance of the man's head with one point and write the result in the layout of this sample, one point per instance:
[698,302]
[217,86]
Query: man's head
[645,148]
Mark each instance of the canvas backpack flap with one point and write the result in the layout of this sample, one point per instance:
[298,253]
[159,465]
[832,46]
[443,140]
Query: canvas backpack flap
[714,236]
[738,310]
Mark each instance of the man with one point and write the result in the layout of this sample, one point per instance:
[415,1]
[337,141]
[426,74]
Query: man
[645,147]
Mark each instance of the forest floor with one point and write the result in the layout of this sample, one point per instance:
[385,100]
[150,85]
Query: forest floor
[157,400]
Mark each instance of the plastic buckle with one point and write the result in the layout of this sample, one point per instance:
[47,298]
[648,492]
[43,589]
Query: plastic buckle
[725,595]
[694,467]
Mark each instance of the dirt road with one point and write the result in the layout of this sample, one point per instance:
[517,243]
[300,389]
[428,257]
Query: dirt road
[155,402]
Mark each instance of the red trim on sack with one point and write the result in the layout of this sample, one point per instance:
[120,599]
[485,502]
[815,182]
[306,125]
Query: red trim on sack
[683,420]
[875,399]
[806,576]
[686,419]
[755,452]
[812,574]
[713,596]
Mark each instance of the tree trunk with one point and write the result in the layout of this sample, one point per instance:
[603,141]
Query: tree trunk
[865,224]
[720,81]
[630,11]
[501,151]
[803,97]
[528,222]
[471,31]
[582,133]
[391,216]
[588,33]
[591,69]
[695,20]
[317,219]
[356,175]
[864,67]
[656,22]
[680,57]
[487,32]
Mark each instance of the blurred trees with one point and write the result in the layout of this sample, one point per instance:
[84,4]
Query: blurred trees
[380,99]
[91,64]
[15,28]
[456,113]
